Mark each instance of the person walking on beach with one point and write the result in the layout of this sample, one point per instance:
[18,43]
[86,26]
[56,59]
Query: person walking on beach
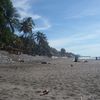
[76,58]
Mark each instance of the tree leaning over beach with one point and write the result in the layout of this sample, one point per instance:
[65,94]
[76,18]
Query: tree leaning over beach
[8,15]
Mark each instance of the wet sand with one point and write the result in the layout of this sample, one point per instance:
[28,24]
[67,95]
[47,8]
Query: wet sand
[63,78]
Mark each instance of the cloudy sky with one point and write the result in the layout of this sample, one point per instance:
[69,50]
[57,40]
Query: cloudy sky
[70,24]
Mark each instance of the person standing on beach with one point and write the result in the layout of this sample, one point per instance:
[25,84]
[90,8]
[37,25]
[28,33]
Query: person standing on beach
[76,58]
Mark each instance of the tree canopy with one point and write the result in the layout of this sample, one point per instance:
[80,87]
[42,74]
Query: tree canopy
[28,42]
[8,15]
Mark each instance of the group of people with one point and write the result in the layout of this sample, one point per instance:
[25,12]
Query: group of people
[77,58]
[97,58]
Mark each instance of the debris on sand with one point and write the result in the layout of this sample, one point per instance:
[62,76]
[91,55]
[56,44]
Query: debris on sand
[44,62]
[85,61]
[71,65]
[44,92]
[20,60]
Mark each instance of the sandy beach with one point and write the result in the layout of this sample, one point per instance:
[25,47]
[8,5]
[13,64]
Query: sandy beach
[61,77]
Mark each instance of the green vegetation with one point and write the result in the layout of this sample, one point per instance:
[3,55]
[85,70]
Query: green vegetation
[29,42]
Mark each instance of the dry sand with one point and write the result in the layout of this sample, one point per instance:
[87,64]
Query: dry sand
[63,78]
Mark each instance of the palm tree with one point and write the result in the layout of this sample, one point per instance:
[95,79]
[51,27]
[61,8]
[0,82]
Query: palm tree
[8,15]
[26,27]
[42,45]
[40,38]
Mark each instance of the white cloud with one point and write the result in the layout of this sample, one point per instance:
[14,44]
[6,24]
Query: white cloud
[25,10]
[84,13]
[76,39]
[44,26]
[74,43]
[86,49]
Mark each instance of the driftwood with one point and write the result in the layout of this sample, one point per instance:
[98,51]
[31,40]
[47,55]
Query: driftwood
[43,62]
[44,92]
